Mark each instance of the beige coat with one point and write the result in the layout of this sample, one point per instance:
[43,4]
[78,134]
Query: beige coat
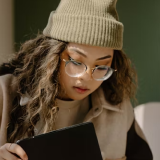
[112,123]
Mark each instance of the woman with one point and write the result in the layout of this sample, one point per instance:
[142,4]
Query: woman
[75,72]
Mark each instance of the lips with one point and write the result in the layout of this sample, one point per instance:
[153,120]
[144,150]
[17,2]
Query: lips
[81,89]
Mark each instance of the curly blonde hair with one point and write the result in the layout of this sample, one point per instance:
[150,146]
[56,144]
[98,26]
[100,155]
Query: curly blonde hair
[36,67]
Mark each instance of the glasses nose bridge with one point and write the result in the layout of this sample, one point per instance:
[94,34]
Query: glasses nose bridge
[90,69]
[88,72]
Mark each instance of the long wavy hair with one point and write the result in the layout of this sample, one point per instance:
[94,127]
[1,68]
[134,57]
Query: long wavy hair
[36,67]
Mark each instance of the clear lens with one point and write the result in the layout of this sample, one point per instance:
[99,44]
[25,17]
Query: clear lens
[75,69]
[102,73]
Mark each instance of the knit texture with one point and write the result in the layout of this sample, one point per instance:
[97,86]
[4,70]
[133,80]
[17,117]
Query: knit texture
[91,22]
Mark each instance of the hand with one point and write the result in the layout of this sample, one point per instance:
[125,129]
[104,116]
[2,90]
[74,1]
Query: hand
[9,151]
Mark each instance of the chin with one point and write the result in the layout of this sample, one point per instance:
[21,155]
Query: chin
[78,97]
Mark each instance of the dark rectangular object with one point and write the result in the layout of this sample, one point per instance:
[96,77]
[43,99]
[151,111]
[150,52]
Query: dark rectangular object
[77,142]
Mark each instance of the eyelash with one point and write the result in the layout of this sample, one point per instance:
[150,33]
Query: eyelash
[70,58]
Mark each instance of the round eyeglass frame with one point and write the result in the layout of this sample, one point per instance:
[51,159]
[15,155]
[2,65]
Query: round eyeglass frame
[93,69]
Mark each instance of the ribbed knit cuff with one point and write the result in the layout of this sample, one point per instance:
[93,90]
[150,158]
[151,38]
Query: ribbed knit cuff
[83,29]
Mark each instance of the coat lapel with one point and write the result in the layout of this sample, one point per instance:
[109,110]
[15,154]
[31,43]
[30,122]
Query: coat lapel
[98,104]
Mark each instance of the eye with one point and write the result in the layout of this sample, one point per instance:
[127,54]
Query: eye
[74,62]
[71,59]
[102,68]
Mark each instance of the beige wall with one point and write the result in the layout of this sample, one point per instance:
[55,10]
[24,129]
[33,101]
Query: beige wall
[6,29]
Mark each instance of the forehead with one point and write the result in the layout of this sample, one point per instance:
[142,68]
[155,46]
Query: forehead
[88,49]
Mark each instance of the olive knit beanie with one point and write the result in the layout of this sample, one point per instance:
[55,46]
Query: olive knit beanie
[91,22]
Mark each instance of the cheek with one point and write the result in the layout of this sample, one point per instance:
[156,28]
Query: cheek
[64,79]
[95,85]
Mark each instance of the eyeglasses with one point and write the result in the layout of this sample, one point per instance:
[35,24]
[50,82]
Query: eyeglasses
[77,69]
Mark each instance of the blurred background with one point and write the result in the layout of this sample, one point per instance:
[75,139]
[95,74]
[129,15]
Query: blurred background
[22,20]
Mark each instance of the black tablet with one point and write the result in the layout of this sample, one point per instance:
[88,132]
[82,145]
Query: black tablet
[77,142]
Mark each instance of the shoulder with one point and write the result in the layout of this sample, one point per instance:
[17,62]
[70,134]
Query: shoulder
[8,89]
[7,82]
[7,95]
[6,78]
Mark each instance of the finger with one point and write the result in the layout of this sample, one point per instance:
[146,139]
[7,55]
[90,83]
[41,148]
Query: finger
[9,156]
[15,148]
[6,155]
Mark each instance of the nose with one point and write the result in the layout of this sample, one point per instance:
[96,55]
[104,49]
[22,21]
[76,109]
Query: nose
[87,76]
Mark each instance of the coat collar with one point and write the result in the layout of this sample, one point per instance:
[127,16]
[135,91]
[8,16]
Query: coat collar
[99,103]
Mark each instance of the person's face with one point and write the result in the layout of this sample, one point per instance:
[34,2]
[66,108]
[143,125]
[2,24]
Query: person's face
[77,88]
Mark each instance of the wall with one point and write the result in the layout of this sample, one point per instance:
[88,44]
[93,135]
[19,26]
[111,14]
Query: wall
[142,43]
[31,17]
[6,29]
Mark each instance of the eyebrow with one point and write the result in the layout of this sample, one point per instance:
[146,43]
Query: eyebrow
[81,53]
